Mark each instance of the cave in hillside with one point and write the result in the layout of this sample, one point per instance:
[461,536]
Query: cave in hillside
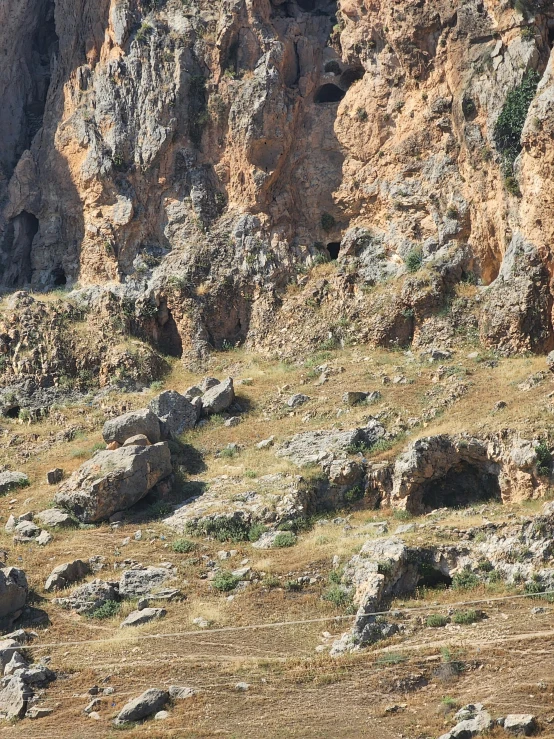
[329,93]
[59,278]
[462,486]
[332,67]
[334,248]
[349,76]
[169,339]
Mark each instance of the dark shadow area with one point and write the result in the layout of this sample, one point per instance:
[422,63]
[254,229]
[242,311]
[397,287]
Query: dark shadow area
[349,76]
[430,577]
[462,486]
[169,340]
[332,67]
[59,278]
[187,457]
[329,93]
[551,36]
[12,412]
[334,249]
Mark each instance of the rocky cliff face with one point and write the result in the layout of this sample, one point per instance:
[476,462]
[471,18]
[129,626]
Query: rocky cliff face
[188,163]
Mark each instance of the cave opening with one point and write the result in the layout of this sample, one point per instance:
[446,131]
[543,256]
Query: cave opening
[169,339]
[329,93]
[431,577]
[12,412]
[59,278]
[307,5]
[349,76]
[334,248]
[462,486]
[332,67]
[25,228]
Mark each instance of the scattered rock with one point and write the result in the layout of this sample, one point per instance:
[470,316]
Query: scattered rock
[55,517]
[175,412]
[14,697]
[176,692]
[44,538]
[266,443]
[53,477]
[143,421]
[66,574]
[90,596]
[520,724]
[295,401]
[208,383]
[143,616]
[161,715]
[233,421]
[138,440]
[353,397]
[218,398]
[36,712]
[145,581]
[151,701]
[12,481]
[242,687]
[114,481]
[13,592]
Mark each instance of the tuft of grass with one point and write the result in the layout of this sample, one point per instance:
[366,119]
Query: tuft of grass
[225,581]
[338,595]
[108,610]
[183,546]
[466,617]
[284,539]
[414,260]
[255,531]
[436,620]
[465,580]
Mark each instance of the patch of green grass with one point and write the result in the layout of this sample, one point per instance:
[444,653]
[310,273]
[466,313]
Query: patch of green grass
[466,617]
[436,620]
[544,459]
[225,581]
[271,581]
[338,595]
[108,610]
[465,580]
[183,546]
[255,531]
[391,658]
[293,585]
[284,539]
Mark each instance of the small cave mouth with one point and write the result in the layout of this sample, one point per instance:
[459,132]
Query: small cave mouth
[332,67]
[462,486]
[334,249]
[169,339]
[349,76]
[59,278]
[431,577]
[329,93]
[12,412]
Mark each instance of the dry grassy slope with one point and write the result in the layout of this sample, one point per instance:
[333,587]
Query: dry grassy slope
[294,692]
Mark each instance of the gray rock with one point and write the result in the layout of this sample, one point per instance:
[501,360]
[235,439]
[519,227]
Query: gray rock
[520,724]
[93,705]
[113,481]
[36,675]
[550,361]
[151,701]
[11,523]
[242,687]
[406,528]
[53,477]
[295,401]
[54,517]
[208,383]
[26,530]
[66,574]
[90,596]
[233,421]
[193,392]
[17,662]
[38,712]
[44,538]
[144,616]
[130,424]
[353,397]
[12,481]
[175,412]
[176,692]
[13,591]
[266,443]
[161,715]
[138,440]
[218,398]
[14,697]
[135,583]
[8,648]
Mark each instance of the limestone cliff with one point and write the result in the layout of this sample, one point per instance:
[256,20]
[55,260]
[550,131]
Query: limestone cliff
[185,164]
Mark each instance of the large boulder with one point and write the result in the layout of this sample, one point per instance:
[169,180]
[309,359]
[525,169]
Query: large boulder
[175,412]
[145,705]
[66,574]
[13,592]
[218,398]
[114,480]
[55,517]
[130,424]
[14,697]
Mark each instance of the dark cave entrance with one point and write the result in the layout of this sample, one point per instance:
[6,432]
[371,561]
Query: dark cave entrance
[332,67]
[334,249]
[329,93]
[551,36]
[430,577]
[462,486]
[349,76]
[169,340]
[12,412]
[306,5]
[59,278]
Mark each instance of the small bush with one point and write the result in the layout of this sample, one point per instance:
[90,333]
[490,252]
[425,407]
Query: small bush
[338,595]
[509,126]
[252,474]
[255,531]
[327,222]
[465,580]
[544,459]
[436,620]
[271,581]
[414,260]
[157,385]
[466,617]
[108,610]
[183,546]
[225,581]
[534,588]
[284,539]
[293,585]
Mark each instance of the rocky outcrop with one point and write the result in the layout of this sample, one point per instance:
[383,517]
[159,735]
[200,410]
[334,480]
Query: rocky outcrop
[113,481]
[145,705]
[130,424]
[91,596]
[13,593]
[176,413]
[66,574]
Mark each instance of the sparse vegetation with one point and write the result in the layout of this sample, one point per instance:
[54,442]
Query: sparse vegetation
[436,620]
[225,581]
[183,546]
[108,610]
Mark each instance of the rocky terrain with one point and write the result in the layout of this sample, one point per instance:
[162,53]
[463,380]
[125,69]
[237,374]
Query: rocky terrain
[276,368]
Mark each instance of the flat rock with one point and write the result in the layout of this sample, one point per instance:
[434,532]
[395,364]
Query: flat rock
[175,412]
[114,480]
[66,574]
[295,401]
[134,583]
[151,701]
[144,616]
[37,712]
[44,538]
[90,596]
[138,440]
[177,692]
[55,517]
[143,421]
[218,398]
[12,481]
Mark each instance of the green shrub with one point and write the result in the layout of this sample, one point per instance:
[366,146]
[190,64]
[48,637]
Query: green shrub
[544,459]
[108,610]
[414,260]
[157,385]
[466,617]
[436,620]
[225,581]
[327,222]
[508,127]
[465,580]
[143,33]
[183,546]
[255,531]
[338,595]
[284,539]
[533,587]
[222,529]
[354,494]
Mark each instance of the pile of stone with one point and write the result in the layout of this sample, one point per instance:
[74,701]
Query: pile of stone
[473,720]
